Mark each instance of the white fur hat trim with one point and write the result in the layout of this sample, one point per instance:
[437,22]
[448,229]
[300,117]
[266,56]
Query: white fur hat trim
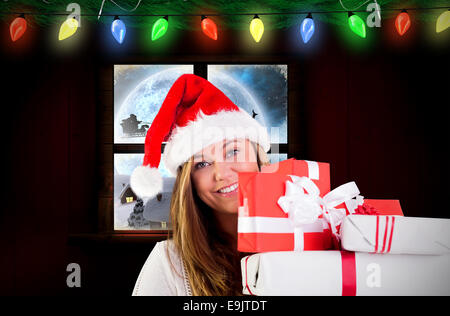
[146,182]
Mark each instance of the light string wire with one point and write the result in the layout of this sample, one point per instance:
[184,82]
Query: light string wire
[131,10]
[367,1]
[228,14]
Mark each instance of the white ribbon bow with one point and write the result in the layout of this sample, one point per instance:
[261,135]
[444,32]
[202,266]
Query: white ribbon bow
[353,204]
[306,207]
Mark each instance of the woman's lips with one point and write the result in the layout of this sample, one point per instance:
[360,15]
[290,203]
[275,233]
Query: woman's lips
[228,194]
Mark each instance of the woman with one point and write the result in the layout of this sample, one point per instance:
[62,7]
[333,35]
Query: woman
[202,257]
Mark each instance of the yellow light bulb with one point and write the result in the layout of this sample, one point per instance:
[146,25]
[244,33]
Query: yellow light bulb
[257,28]
[68,28]
[443,21]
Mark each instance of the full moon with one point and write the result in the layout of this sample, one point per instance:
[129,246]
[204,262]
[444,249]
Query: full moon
[146,99]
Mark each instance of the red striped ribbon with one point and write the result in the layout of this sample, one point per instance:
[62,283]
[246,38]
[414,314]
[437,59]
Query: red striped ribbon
[392,233]
[386,232]
[376,234]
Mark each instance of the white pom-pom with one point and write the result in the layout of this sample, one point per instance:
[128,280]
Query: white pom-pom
[146,182]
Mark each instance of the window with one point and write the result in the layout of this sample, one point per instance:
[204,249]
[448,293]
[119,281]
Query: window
[261,90]
[139,91]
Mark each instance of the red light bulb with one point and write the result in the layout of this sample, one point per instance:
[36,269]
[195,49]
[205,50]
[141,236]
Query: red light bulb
[209,28]
[402,22]
[18,27]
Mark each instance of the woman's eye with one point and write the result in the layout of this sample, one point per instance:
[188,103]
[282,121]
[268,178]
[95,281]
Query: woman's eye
[233,152]
[200,165]
[203,164]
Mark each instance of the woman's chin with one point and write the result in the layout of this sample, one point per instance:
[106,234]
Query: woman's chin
[231,207]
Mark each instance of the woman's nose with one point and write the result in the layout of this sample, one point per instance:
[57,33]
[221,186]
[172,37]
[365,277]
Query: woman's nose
[217,171]
[221,170]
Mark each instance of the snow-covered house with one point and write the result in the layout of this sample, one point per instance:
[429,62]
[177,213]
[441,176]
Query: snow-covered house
[156,210]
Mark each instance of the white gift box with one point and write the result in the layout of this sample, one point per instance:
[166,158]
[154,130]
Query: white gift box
[396,234]
[344,273]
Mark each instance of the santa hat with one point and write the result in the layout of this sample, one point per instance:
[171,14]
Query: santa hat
[194,115]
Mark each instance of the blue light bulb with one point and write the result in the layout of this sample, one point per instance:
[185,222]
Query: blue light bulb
[118,29]
[307,28]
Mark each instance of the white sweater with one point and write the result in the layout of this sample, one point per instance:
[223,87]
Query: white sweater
[161,275]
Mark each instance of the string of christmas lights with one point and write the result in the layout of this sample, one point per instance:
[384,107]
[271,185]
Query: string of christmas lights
[118,29]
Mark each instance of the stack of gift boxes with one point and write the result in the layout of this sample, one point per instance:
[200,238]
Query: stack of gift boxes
[307,239]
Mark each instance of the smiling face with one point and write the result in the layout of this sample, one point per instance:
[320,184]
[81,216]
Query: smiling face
[215,172]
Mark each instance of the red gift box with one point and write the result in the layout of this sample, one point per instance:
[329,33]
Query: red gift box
[262,225]
[318,172]
[383,207]
[277,214]
[361,206]
[369,207]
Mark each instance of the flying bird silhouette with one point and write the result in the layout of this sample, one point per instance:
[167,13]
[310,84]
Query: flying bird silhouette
[254,114]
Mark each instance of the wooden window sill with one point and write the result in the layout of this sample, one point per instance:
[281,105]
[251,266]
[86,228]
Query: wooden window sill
[119,237]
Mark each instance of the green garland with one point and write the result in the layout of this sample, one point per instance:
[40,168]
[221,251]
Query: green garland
[181,7]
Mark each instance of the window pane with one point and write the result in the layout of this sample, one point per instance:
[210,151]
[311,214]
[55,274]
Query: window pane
[131,213]
[258,89]
[277,157]
[139,91]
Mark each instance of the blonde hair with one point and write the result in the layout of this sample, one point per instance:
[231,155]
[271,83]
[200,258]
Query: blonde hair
[212,266]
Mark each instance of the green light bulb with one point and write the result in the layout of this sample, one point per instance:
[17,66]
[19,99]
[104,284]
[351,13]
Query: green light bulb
[160,28]
[356,24]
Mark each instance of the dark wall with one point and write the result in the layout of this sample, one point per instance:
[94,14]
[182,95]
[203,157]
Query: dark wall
[378,114]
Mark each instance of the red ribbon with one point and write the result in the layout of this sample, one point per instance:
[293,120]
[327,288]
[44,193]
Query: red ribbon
[246,283]
[348,273]
[349,262]
[391,233]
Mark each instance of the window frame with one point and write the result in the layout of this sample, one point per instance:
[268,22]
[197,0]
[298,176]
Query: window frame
[200,69]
